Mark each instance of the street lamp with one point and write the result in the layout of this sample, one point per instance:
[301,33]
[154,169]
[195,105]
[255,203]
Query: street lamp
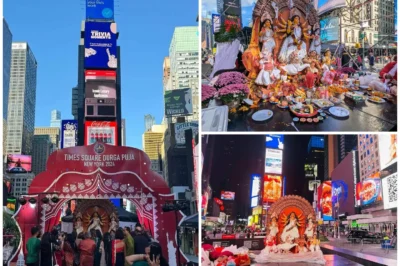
[175,206]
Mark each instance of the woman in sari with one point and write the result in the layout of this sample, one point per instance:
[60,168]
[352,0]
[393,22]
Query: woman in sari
[118,249]
[107,249]
[129,244]
[68,247]
[87,247]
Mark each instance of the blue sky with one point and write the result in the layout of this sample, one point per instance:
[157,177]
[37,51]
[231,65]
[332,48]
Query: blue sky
[52,29]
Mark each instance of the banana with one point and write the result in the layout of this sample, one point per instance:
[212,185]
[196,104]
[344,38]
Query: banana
[311,108]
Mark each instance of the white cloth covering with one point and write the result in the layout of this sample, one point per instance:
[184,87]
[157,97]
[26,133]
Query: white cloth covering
[308,257]
[226,56]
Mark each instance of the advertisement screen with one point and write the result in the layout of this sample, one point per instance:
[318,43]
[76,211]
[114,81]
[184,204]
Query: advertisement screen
[218,201]
[327,5]
[255,185]
[274,142]
[17,163]
[329,29]
[11,204]
[272,188]
[103,9]
[178,102]
[103,131]
[389,191]
[216,22]
[69,133]
[326,201]
[311,170]
[254,202]
[100,45]
[273,161]
[369,191]
[180,129]
[227,195]
[232,21]
[100,84]
[339,192]
[387,150]
[232,7]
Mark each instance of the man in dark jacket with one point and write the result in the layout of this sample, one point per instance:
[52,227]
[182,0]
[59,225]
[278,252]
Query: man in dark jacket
[141,240]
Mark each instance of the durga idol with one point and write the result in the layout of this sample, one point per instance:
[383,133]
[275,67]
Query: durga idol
[290,233]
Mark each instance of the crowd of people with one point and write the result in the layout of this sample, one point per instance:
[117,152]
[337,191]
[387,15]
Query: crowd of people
[122,247]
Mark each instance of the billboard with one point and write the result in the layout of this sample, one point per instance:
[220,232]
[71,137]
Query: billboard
[178,102]
[255,185]
[327,5]
[329,29]
[227,195]
[230,21]
[339,193]
[326,201]
[369,191]
[100,84]
[272,188]
[100,45]
[18,163]
[387,150]
[104,131]
[273,161]
[389,191]
[232,7]
[311,170]
[103,9]
[274,142]
[216,22]
[254,202]
[69,133]
[180,129]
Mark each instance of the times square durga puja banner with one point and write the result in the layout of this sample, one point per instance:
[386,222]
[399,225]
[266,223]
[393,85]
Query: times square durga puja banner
[102,171]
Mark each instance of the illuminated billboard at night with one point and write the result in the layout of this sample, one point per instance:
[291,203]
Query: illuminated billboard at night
[227,195]
[389,191]
[274,141]
[272,189]
[325,198]
[368,191]
[387,150]
[311,170]
[273,161]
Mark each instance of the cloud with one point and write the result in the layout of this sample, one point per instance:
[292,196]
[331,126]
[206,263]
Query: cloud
[248,3]
[208,6]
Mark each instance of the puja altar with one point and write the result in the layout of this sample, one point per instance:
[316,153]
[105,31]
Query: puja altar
[290,83]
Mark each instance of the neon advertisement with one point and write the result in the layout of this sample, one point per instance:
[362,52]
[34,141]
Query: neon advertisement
[370,191]
[326,201]
[272,188]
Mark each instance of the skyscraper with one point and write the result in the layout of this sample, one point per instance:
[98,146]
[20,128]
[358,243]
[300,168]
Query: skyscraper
[22,100]
[347,143]
[55,119]
[42,148]
[184,62]
[7,44]
[152,145]
[53,132]
[149,121]
[368,155]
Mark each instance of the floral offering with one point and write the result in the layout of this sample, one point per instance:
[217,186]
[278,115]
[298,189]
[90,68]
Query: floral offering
[234,92]
[229,78]
[207,93]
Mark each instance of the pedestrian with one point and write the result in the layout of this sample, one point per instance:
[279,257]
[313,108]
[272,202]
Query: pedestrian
[151,257]
[46,252]
[33,247]
[107,248]
[86,248]
[99,256]
[68,246]
[129,244]
[141,240]
[118,249]
[371,61]
[215,232]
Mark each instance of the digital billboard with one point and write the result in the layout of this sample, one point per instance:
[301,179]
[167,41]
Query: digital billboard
[69,133]
[253,202]
[311,170]
[100,84]
[327,5]
[255,185]
[100,9]
[387,150]
[227,195]
[180,129]
[178,102]
[329,29]
[100,45]
[273,161]
[272,189]
[369,191]
[216,22]
[17,163]
[339,193]
[326,201]
[104,131]
[389,191]
[232,7]
[274,142]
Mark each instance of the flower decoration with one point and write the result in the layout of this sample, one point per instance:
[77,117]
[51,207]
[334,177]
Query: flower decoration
[207,93]
[233,92]
[228,78]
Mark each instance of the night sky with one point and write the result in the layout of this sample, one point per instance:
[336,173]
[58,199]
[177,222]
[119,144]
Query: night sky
[236,158]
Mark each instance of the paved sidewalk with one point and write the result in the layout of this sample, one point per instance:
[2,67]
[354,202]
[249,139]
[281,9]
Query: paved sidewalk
[366,248]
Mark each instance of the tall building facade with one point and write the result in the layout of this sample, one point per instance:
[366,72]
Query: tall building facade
[384,25]
[347,143]
[368,155]
[184,62]
[20,182]
[123,132]
[149,121]
[21,100]
[7,44]
[152,142]
[42,148]
[55,120]
[54,134]
[331,155]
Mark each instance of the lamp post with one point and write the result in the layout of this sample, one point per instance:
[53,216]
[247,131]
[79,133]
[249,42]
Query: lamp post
[175,206]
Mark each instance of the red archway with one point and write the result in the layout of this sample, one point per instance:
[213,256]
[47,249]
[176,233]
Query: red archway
[102,171]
